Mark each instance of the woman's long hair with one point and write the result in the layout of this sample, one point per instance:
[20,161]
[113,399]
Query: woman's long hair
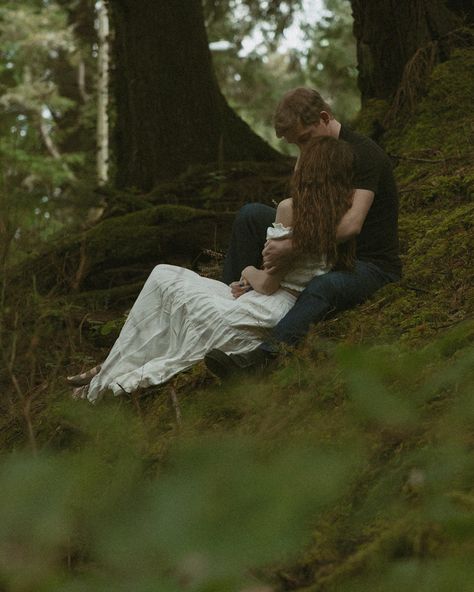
[322,189]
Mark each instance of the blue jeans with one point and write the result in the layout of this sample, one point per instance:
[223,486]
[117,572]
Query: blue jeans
[324,296]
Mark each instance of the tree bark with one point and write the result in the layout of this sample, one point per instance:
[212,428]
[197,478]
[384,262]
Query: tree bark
[78,84]
[389,32]
[170,111]
[103,96]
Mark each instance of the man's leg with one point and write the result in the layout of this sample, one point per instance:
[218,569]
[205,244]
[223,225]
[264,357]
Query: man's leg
[326,295]
[247,239]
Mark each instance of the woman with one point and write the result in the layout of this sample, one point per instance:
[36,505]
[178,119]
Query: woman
[179,316]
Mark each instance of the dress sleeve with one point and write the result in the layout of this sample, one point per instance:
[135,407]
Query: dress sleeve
[277,231]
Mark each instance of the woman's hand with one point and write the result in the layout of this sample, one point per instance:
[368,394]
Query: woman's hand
[240,288]
[277,255]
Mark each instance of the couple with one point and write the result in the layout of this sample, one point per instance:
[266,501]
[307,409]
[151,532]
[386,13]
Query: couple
[329,247]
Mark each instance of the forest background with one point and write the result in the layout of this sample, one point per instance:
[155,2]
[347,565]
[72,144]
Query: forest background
[351,466]
[49,94]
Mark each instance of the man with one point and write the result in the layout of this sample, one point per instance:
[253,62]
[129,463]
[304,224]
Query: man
[301,115]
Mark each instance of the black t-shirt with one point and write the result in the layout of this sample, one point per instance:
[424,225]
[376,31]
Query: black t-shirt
[378,239]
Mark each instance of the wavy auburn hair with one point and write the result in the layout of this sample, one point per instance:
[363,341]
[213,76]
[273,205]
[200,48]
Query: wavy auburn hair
[322,189]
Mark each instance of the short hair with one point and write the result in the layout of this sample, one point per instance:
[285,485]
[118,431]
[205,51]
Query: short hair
[300,104]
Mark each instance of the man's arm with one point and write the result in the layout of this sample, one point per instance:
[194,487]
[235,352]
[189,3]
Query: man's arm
[262,280]
[353,220]
[277,255]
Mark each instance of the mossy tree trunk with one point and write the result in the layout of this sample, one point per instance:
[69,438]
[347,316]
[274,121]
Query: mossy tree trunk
[389,32]
[170,111]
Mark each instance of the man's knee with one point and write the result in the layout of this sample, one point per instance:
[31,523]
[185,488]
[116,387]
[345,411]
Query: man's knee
[253,213]
[310,308]
[325,288]
[344,289]
[324,296]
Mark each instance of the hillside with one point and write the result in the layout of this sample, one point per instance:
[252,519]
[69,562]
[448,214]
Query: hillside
[348,468]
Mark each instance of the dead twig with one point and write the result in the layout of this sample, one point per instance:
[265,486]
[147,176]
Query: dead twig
[428,160]
[374,304]
[213,253]
[26,408]
[415,288]
[136,403]
[175,403]
[82,267]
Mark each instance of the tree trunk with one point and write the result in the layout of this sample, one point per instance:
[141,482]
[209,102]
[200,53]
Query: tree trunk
[170,111]
[389,32]
[103,95]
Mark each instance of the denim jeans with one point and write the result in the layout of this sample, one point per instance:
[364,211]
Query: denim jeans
[324,296]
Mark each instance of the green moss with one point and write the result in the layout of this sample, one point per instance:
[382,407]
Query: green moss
[229,187]
[434,147]
[118,297]
[134,236]
[370,119]
[442,123]
[435,171]
[123,249]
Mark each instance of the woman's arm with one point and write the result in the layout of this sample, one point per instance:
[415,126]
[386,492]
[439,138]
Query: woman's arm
[260,279]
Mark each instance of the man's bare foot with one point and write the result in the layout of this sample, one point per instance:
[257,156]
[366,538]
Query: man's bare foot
[84,378]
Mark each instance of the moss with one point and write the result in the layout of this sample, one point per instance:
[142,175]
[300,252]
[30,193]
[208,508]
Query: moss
[434,148]
[311,401]
[117,297]
[399,539]
[119,203]
[442,122]
[435,171]
[370,119]
[229,187]
[124,249]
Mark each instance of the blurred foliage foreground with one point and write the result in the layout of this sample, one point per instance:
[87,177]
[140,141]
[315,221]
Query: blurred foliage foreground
[349,468]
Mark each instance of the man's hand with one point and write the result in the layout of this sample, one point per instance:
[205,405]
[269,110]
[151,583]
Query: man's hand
[239,288]
[277,255]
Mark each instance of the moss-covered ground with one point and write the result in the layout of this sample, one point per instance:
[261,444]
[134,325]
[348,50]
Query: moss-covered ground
[349,467]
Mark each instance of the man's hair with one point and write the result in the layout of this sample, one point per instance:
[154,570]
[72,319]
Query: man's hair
[300,104]
[322,190]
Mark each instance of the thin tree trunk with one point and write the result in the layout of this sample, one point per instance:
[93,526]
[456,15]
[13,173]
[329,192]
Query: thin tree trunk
[103,96]
[50,145]
[81,81]
[47,139]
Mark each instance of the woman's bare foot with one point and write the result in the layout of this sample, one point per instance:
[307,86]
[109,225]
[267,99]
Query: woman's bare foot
[84,378]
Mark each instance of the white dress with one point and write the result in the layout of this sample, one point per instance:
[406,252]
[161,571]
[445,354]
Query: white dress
[179,316]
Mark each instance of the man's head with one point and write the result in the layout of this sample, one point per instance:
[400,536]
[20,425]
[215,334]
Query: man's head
[301,115]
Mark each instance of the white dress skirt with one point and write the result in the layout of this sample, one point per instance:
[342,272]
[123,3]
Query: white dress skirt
[177,318]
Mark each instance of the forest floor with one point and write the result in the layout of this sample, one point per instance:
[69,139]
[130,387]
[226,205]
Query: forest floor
[347,468]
